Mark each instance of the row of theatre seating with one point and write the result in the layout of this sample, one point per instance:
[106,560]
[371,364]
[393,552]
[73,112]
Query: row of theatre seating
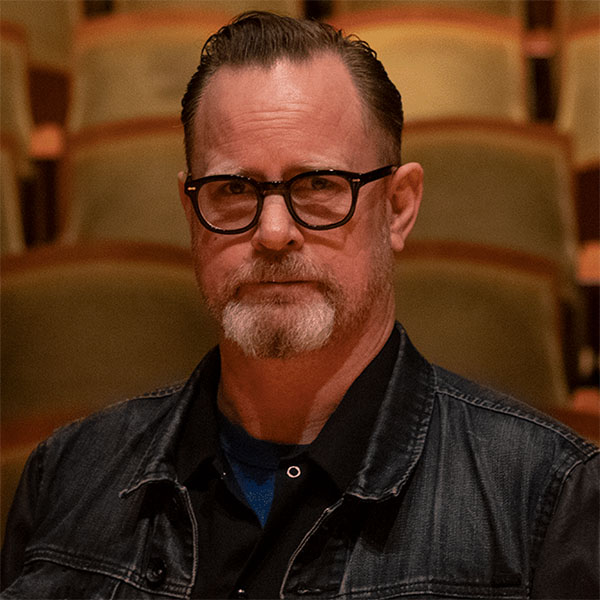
[86,325]
[110,308]
[128,70]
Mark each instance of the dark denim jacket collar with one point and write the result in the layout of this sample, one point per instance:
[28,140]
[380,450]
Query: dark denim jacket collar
[387,465]
[158,462]
[404,417]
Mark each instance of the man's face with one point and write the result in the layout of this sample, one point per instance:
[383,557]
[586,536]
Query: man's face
[280,290]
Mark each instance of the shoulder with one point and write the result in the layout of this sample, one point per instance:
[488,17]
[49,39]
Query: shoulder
[506,424]
[125,418]
[505,451]
[84,465]
[117,435]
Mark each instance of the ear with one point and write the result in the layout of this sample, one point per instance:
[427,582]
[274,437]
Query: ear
[405,199]
[188,209]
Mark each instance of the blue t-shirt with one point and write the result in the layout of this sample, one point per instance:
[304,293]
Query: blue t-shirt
[254,464]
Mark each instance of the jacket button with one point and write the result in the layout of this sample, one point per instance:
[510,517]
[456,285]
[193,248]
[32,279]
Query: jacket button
[157,572]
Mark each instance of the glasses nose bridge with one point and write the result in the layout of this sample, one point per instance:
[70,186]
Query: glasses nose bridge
[270,188]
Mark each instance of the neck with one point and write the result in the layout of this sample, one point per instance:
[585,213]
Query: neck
[289,400]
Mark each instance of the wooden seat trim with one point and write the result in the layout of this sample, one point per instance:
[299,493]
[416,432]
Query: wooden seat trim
[484,254]
[8,142]
[507,31]
[46,257]
[585,423]
[589,264]
[542,132]
[15,33]
[102,29]
[124,129]
[582,29]
[463,18]
[17,435]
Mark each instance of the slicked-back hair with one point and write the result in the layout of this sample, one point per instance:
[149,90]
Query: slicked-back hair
[260,39]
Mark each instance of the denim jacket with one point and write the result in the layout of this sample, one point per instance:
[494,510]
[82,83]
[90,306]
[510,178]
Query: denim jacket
[462,493]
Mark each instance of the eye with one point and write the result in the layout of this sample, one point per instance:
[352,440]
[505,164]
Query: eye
[320,183]
[315,185]
[236,187]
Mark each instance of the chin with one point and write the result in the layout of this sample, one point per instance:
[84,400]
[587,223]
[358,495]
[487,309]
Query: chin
[278,330]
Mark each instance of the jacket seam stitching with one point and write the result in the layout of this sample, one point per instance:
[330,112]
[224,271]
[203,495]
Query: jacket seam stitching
[588,449]
[456,587]
[124,575]
[415,449]
[40,455]
[545,509]
[160,392]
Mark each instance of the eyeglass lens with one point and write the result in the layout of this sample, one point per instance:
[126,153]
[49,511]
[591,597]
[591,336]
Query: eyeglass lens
[231,203]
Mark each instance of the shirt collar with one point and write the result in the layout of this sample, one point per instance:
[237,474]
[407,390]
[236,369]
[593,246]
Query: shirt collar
[401,426]
[341,445]
[158,463]
[199,441]
[188,435]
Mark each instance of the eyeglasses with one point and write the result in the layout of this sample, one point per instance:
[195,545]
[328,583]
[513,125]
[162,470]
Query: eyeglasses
[321,199]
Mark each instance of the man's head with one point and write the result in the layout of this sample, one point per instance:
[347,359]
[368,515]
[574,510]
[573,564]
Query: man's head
[277,287]
[261,39]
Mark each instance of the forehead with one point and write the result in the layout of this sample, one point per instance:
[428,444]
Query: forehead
[312,105]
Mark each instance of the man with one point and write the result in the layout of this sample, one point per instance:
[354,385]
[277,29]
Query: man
[315,453]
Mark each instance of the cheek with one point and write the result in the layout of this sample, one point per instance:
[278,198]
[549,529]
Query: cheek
[366,257]
[215,257]
[351,268]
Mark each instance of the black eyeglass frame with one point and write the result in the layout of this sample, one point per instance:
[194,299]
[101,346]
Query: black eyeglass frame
[356,181]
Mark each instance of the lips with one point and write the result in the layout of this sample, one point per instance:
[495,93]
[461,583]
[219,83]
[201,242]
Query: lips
[271,283]
[272,288]
[284,282]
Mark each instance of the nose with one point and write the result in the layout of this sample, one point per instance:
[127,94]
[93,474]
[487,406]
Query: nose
[276,230]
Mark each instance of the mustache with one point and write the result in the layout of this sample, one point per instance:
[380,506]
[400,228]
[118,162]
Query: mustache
[290,267]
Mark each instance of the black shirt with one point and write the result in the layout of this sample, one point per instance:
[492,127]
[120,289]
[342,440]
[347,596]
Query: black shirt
[237,556]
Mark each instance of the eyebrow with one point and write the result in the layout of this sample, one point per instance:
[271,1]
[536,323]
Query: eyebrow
[289,173]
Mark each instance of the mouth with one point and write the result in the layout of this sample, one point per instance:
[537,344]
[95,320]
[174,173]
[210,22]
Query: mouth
[283,282]
[276,286]
[275,283]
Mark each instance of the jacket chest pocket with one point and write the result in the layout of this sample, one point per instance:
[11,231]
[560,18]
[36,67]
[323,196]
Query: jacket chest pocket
[62,577]
[49,580]
[360,555]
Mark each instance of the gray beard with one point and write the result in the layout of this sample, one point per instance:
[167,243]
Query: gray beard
[276,327]
[271,330]
[279,329]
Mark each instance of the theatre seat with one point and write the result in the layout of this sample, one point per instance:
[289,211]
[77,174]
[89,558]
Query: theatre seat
[570,14]
[448,64]
[48,27]
[16,122]
[497,183]
[507,8]
[12,238]
[119,181]
[135,65]
[578,112]
[292,8]
[489,315]
[83,327]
